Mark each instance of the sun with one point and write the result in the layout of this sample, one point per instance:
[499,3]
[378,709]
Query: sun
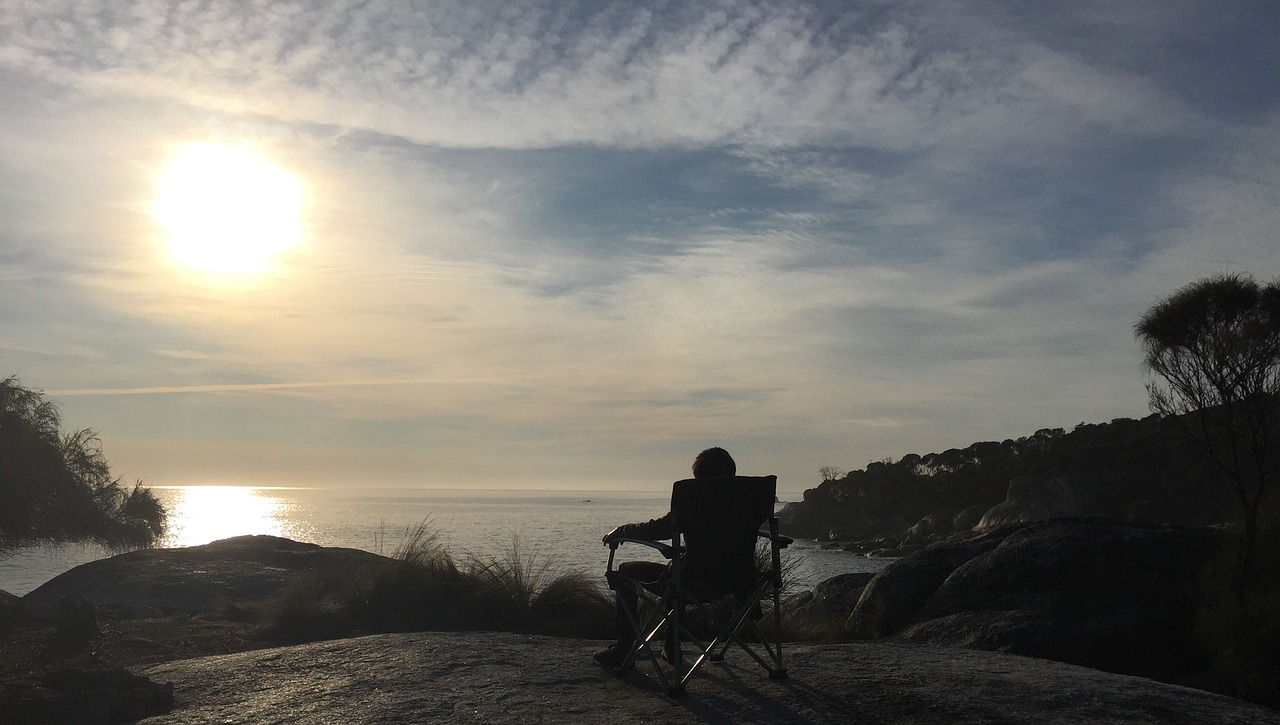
[227,210]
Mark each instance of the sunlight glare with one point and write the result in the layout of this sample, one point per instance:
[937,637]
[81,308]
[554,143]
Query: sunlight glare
[200,514]
[227,210]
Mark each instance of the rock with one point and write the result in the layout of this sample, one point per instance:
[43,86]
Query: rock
[896,594]
[77,619]
[1117,594]
[968,518]
[1142,510]
[1093,592]
[1016,631]
[43,706]
[1078,562]
[133,611]
[9,604]
[831,599]
[198,578]
[89,697]
[1035,498]
[506,678]
[930,525]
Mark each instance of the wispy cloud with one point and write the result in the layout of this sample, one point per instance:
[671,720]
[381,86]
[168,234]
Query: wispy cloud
[824,232]
[259,387]
[487,75]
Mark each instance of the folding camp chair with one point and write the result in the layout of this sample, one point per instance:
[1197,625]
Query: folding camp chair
[713,568]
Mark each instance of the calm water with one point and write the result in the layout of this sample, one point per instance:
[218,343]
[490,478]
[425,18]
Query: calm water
[561,527]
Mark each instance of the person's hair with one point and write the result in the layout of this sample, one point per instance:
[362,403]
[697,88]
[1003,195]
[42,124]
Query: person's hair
[714,463]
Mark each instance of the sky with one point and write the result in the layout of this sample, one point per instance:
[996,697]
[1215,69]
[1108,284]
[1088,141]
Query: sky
[567,245]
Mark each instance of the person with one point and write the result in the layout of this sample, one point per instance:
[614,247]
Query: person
[709,464]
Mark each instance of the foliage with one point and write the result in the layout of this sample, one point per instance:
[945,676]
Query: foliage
[425,589]
[314,607]
[58,487]
[1213,350]
[1241,635]
[831,473]
[1120,464]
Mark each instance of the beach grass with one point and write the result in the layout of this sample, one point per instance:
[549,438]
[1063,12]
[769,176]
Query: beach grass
[425,587]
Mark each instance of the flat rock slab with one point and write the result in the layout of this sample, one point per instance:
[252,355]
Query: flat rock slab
[507,678]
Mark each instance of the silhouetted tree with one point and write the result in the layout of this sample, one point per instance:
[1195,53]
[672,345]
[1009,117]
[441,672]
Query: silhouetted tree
[830,473]
[1213,350]
[58,487]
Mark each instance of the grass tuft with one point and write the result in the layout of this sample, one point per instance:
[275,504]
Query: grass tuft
[424,588]
[314,607]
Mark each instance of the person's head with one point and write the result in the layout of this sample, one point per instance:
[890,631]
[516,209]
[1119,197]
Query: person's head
[714,463]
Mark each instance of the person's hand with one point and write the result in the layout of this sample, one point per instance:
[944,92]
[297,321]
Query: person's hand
[609,537]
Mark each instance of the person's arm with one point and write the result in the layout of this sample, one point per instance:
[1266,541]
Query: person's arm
[653,529]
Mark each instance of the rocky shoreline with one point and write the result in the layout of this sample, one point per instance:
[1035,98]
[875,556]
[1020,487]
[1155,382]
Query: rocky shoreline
[949,622]
[1088,591]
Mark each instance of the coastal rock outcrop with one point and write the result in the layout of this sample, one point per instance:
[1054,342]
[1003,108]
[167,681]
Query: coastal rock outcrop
[1093,592]
[505,678]
[198,578]
[830,600]
[895,595]
[1036,498]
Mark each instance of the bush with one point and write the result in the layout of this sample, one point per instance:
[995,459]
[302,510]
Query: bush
[1241,633]
[315,607]
[425,589]
[58,487]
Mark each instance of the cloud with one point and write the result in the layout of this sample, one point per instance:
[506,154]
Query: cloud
[640,76]
[820,231]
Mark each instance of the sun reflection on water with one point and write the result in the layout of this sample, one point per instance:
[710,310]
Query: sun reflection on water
[200,514]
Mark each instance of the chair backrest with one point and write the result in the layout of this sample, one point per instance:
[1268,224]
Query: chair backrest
[718,519]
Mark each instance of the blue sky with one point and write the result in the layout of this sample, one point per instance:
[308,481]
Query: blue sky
[568,245]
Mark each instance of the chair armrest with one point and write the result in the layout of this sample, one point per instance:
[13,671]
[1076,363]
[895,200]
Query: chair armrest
[667,551]
[783,541]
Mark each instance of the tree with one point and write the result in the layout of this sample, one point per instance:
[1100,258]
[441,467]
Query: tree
[1213,352]
[58,487]
[830,473]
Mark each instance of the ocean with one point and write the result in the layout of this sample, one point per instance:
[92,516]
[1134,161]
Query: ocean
[561,529]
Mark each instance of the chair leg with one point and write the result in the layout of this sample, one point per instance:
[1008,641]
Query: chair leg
[665,628]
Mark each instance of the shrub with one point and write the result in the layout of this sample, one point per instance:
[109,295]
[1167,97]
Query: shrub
[316,606]
[58,487]
[424,589]
[1241,634]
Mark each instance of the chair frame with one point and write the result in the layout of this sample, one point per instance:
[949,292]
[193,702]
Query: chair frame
[665,625]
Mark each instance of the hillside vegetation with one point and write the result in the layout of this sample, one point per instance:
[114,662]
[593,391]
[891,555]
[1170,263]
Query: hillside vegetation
[1144,469]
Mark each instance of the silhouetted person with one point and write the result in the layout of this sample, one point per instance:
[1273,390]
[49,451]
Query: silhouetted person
[709,464]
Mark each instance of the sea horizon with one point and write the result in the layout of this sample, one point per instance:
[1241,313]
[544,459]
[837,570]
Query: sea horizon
[562,527]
